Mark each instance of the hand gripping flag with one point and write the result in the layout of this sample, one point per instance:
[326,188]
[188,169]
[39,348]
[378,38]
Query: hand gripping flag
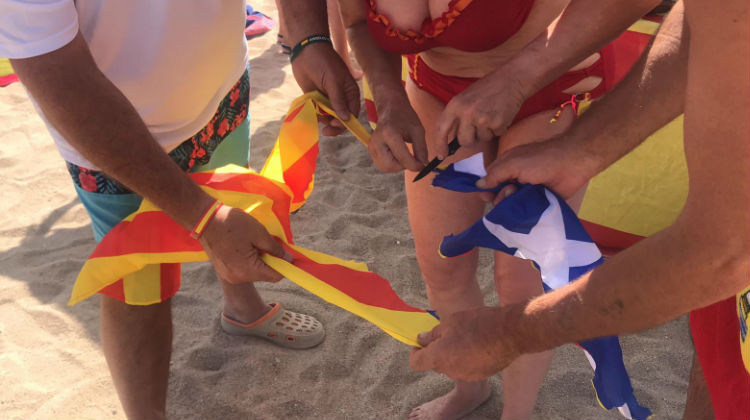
[535,224]
[149,236]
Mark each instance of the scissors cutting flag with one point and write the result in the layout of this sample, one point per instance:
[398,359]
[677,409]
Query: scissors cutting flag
[535,224]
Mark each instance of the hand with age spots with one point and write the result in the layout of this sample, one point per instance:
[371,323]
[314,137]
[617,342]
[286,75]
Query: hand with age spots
[319,67]
[235,241]
[469,345]
[398,124]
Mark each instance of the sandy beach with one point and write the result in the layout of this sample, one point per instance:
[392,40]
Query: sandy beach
[51,364]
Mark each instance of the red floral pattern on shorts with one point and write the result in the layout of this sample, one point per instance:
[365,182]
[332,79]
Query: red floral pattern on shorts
[195,151]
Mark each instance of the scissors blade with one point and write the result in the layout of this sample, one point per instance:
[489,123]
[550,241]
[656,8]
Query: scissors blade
[434,163]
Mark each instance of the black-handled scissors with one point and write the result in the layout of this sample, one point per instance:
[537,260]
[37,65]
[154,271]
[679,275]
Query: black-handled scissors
[434,163]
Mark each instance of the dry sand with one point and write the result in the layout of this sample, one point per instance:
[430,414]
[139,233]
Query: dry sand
[51,365]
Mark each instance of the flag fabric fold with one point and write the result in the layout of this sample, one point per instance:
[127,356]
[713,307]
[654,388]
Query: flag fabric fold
[149,236]
[535,224]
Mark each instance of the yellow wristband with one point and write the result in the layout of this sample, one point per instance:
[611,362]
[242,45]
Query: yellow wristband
[208,215]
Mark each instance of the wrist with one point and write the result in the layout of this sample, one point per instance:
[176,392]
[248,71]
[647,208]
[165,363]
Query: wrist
[390,99]
[309,41]
[519,78]
[206,217]
[589,161]
[194,212]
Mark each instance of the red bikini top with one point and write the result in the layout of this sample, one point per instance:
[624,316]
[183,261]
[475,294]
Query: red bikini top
[468,25]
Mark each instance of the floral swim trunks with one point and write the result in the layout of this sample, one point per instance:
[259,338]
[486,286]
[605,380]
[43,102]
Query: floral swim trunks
[193,152]
[224,140]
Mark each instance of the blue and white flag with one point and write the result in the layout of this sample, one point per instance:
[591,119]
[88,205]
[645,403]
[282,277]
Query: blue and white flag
[535,224]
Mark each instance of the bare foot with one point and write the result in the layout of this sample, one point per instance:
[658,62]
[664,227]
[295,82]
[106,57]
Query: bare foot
[460,401]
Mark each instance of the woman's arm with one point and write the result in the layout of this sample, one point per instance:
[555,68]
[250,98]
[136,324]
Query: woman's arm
[397,122]
[652,93]
[486,109]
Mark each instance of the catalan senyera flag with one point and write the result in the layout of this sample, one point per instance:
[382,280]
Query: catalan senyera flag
[149,236]
[294,156]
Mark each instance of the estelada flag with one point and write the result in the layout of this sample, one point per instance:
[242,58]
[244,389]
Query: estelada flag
[149,236]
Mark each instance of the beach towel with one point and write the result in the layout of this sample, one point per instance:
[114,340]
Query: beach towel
[256,23]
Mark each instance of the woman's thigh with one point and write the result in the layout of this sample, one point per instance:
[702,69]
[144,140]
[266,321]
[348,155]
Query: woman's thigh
[436,212]
[517,280]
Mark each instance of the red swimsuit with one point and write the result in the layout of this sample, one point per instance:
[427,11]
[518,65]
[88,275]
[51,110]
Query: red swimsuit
[468,25]
[480,25]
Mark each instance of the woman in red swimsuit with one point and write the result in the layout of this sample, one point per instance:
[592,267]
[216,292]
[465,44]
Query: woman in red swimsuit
[468,46]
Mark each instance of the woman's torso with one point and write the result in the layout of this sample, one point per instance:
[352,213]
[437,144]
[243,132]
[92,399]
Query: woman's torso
[456,37]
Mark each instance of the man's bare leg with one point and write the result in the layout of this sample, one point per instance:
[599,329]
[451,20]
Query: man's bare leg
[698,402]
[242,302]
[137,343]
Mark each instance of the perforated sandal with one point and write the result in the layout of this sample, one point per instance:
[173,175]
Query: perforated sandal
[281,327]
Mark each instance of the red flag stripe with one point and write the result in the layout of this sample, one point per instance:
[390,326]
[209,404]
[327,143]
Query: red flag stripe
[143,239]
[115,290]
[365,287]
[294,113]
[170,279]
[610,241]
[251,183]
[299,176]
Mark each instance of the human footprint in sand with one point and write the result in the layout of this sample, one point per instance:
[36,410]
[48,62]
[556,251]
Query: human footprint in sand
[134,99]
[479,70]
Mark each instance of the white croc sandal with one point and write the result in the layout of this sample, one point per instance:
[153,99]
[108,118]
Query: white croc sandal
[281,327]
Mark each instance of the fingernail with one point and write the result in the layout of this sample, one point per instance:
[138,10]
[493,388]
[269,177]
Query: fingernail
[482,183]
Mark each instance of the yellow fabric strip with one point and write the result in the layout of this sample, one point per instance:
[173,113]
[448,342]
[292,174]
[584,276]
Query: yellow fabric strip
[645,27]
[5,67]
[143,286]
[98,273]
[643,192]
[403,326]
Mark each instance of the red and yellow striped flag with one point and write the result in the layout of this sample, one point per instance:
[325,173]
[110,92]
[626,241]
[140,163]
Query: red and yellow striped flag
[149,236]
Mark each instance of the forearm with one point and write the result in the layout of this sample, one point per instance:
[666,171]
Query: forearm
[653,94]
[304,18]
[382,68]
[100,123]
[583,29]
[662,277]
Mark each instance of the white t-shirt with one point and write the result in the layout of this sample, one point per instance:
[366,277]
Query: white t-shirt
[173,59]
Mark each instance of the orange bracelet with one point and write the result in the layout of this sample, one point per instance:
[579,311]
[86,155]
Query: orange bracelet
[208,215]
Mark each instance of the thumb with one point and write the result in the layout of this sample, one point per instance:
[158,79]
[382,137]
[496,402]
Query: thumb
[500,170]
[425,338]
[272,246]
[342,94]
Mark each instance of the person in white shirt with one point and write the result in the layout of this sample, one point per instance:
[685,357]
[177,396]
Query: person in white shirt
[135,94]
